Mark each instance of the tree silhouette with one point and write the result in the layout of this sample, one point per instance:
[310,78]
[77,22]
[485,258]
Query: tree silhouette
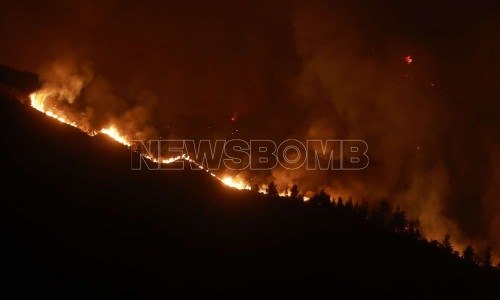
[340,204]
[469,254]
[348,204]
[414,229]
[300,198]
[434,243]
[447,244]
[294,191]
[487,257]
[322,199]
[272,190]
[362,210]
[398,222]
[418,234]
[379,216]
[382,215]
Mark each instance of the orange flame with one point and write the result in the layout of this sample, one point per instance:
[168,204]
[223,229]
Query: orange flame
[234,117]
[235,184]
[114,134]
[38,102]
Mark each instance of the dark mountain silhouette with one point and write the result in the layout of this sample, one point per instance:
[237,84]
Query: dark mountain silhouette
[76,221]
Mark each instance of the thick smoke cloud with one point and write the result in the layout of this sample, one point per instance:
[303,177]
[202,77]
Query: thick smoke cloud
[293,70]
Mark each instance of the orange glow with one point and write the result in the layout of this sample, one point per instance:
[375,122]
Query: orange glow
[113,133]
[38,102]
[408,59]
[235,184]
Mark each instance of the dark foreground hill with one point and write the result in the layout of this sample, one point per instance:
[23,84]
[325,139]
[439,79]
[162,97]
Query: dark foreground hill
[75,221]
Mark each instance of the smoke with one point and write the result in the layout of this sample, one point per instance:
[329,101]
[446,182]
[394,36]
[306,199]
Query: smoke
[424,137]
[65,80]
[71,91]
[307,70]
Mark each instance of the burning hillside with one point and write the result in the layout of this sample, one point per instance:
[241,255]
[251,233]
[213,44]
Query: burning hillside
[397,101]
[99,227]
[41,101]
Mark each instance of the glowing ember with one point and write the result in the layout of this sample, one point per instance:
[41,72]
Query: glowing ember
[234,117]
[408,59]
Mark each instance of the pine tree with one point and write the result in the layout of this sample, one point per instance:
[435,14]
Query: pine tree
[469,254]
[487,257]
[412,226]
[398,222]
[362,210]
[348,204]
[272,190]
[322,199]
[447,244]
[382,216]
[340,204]
[294,191]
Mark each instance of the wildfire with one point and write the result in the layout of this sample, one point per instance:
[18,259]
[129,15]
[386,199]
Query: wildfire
[235,184]
[38,102]
[114,134]
[284,194]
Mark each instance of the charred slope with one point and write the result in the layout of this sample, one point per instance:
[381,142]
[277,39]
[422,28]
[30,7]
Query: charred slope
[75,219]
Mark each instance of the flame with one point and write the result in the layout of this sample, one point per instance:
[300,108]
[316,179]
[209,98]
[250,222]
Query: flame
[284,194]
[114,134]
[38,102]
[235,184]
[408,59]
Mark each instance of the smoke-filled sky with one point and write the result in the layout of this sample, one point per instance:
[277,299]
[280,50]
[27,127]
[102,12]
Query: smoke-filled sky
[294,69]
